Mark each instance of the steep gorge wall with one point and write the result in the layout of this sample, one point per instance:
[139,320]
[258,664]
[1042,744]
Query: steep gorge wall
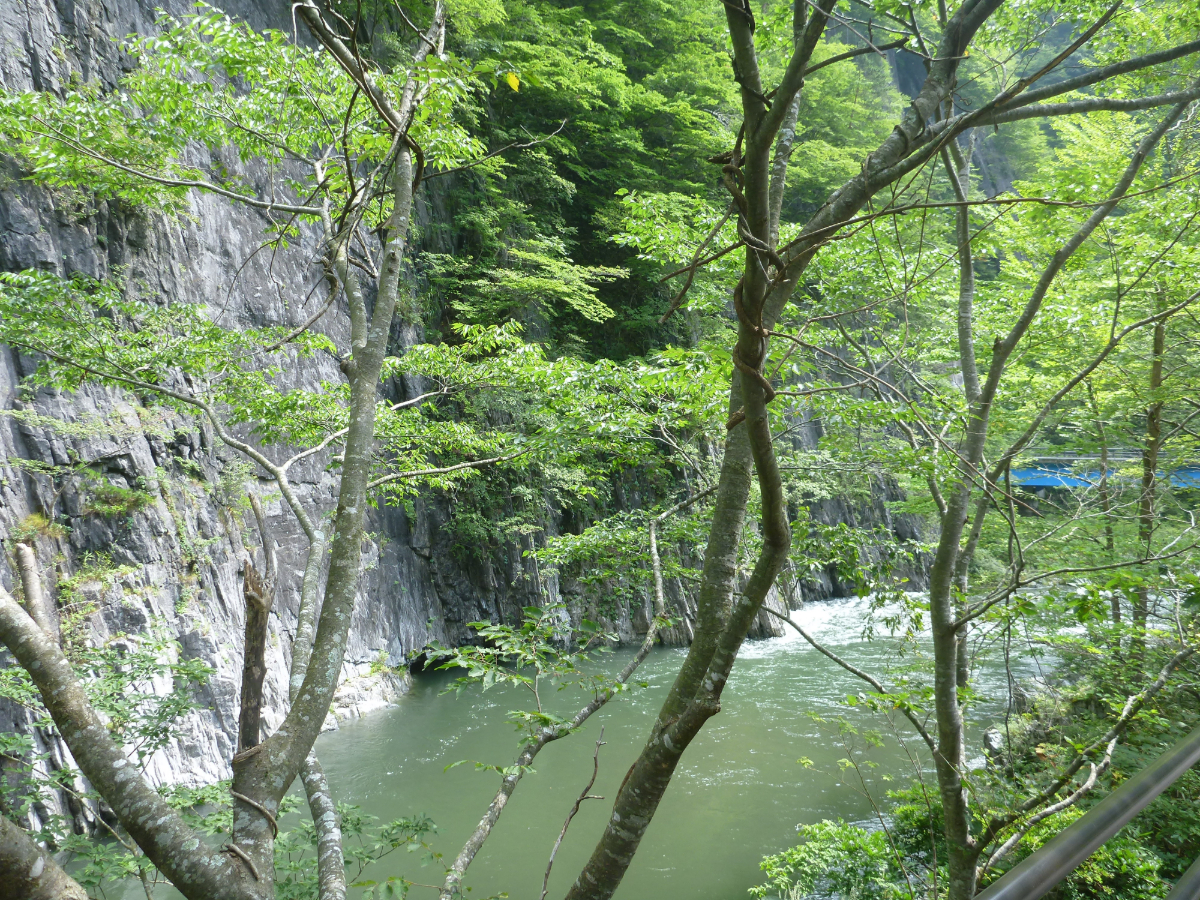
[173,559]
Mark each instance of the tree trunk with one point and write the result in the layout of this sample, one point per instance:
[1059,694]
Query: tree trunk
[766,286]
[258,596]
[265,772]
[29,872]
[950,758]
[40,607]
[1146,502]
[1105,492]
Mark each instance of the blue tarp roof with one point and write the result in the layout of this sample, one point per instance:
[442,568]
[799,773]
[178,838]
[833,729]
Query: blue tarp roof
[1063,475]
[1046,477]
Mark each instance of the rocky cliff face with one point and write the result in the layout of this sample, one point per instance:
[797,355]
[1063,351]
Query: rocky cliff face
[168,551]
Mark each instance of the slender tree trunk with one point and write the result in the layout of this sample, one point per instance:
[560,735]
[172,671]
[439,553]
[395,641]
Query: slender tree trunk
[1146,502]
[1105,492]
[950,733]
[958,168]
[963,849]
[266,772]
[766,286]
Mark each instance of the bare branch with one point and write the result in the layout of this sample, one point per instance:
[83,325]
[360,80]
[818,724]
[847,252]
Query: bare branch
[515,145]
[259,596]
[1013,586]
[458,467]
[1091,104]
[858,51]
[1133,706]
[1104,73]
[793,76]
[308,323]
[584,795]
[696,263]
[248,200]
[206,408]
[859,673]
[341,432]
[457,870]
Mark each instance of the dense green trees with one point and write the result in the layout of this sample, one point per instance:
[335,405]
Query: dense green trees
[953,239]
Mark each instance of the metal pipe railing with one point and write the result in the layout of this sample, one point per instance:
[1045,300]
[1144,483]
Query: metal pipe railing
[1038,874]
[1188,885]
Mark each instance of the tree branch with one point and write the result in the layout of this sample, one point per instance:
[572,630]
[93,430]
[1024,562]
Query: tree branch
[458,869]
[457,467]
[1132,707]
[793,76]
[40,607]
[584,795]
[208,186]
[859,673]
[29,872]
[174,848]
[1104,73]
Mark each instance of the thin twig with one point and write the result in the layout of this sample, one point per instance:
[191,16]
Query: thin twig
[300,329]
[574,809]
[854,670]
[421,473]
[696,263]
[515,145]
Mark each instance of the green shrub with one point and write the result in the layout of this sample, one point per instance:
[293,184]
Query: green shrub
[839,859]
[111,500]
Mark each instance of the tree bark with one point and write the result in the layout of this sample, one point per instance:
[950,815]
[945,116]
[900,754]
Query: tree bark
[40,607]
[331,865]
[174,848]
[958,170]
[258,596]
[29,872]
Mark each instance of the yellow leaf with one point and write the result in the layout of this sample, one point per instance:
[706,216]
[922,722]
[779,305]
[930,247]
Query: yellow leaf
[513,81]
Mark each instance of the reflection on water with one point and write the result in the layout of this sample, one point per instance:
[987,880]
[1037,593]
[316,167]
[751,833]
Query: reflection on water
[738,794]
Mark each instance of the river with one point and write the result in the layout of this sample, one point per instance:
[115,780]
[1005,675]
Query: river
[738,794]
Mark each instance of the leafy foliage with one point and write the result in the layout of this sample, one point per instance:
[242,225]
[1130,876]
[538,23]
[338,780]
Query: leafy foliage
[532,655]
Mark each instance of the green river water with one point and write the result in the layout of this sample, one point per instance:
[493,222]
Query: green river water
[739,792]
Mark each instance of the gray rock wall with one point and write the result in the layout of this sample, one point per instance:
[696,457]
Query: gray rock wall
[174,562]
